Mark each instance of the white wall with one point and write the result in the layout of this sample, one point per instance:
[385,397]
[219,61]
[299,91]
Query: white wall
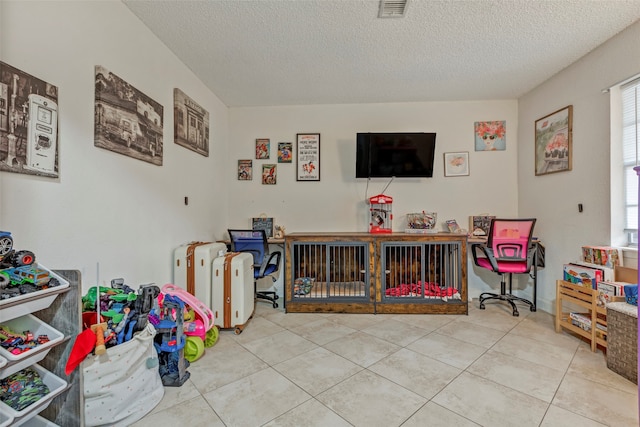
[554,198]
[337,202]
[126,214]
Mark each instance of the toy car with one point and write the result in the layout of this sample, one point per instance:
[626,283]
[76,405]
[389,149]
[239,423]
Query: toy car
[6,243]
[27,278]
[17,259]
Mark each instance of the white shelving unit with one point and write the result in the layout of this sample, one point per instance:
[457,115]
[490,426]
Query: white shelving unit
[56,310]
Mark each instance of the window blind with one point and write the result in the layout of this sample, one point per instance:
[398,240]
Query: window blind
[631,150]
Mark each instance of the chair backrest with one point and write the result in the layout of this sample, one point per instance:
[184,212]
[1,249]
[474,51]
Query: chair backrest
[510,239]
[252,241]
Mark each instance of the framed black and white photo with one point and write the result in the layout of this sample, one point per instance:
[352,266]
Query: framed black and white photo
[190,123]
[127,121]
[28,123]
[308,157]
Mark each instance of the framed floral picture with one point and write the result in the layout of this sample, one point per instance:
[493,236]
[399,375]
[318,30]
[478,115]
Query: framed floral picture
[490,136]
[553,141]
[456,164]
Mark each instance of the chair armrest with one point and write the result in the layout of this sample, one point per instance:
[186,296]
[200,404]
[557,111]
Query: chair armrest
[531,255]
[487,252]
[274,259]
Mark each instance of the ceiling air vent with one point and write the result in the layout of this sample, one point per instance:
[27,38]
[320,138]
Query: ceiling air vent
[392,8]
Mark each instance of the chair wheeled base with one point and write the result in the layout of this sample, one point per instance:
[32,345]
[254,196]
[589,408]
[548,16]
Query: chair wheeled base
[504,296]
[268,296]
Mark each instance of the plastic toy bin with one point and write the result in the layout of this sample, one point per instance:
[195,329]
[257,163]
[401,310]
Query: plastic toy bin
[56,386]
[33,301]
[37,327]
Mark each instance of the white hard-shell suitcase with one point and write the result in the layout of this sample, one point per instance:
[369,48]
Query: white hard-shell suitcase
[192,268]
[233,290]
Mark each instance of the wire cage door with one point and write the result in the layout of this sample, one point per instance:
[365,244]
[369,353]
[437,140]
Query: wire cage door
[331,271]
[421,272]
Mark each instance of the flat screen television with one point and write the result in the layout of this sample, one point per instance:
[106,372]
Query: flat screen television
[399,155]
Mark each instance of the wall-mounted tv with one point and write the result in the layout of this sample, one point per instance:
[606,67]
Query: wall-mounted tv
[399,155]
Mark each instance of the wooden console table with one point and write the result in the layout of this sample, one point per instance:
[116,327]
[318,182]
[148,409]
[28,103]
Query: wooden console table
[376,273]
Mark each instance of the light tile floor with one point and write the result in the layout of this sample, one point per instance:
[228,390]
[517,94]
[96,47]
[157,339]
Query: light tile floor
[485,369]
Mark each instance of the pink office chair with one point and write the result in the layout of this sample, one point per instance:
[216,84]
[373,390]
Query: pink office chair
[508,250]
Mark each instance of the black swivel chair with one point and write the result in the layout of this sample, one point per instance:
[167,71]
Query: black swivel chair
[509,249]
[265,263]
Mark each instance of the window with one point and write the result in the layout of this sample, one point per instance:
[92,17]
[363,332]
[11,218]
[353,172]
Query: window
[631,152]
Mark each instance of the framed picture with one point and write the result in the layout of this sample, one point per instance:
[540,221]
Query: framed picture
[456,164]
[28,123]
[308,157]
[245,170]
[285,152]
[263,223]
[190,123]
[262,148]
[490,136]
[269,174]
[479,225]
[553,141]
[127,121]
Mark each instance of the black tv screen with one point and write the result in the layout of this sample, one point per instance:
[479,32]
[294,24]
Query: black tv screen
[399,155]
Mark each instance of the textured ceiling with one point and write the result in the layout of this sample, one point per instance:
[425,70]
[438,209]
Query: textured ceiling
[277,52]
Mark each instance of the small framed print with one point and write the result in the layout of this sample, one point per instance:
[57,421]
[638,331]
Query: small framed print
[262,148]
[308,157]
[285,152]
[263,223]
[480,225]
[269,174]
[456,164]
[245,170]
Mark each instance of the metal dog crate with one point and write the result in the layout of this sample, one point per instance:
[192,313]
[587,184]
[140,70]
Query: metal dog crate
[333,271]
[423,272]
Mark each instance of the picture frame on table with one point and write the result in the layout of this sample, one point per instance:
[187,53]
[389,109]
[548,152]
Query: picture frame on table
[308,157]
[263,223]
[480,225]
[553,142]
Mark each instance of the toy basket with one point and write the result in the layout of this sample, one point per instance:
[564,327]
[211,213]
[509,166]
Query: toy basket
[631,294]
[422,221]
[36,350]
